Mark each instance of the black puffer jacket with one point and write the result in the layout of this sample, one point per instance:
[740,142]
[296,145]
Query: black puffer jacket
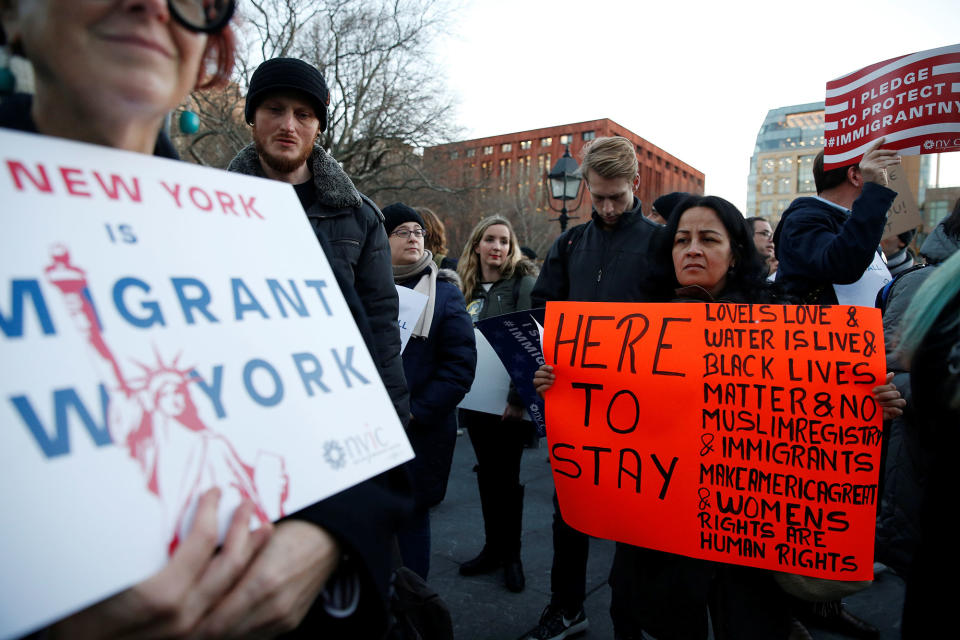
[588,263]
[353,226]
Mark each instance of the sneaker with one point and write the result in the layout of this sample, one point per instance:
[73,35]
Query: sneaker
[554,624]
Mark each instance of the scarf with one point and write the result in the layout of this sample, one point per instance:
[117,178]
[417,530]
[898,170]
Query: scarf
[427,285]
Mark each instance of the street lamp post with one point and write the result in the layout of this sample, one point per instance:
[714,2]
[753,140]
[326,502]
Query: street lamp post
[564,185]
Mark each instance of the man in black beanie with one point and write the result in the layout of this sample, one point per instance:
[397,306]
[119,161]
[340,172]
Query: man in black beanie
[287,108]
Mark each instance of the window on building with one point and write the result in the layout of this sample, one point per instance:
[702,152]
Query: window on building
[766,186]
[488,150]
[785,165]
[784,185]
[546,142]
[526,144]
[505,170]
[566,138]
[766,208]
[769,165]
[471,152]
[485,169]
[454,155]
[523,168]
[589,135]
[506,146]
[805,182]
[782,206]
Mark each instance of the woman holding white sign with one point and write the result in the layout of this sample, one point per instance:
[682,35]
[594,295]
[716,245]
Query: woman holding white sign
[108,72]
[496,280]
[438,362]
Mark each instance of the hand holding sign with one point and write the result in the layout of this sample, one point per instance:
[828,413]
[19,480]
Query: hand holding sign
[276,591]
[543,379]
[889,399]
[173,601]
[875,162]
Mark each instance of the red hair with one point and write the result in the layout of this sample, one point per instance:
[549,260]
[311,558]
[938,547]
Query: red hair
[219,54]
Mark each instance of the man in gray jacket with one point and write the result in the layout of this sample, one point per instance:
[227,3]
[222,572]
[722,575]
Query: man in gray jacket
[287,108]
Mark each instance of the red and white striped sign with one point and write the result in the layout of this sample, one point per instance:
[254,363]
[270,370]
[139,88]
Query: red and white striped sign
[913,101]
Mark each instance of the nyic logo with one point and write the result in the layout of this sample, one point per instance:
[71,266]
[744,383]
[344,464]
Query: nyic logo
[945,145]
[334,454]
[357,448]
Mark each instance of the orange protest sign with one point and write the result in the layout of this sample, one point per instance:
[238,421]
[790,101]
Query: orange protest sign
[745,434]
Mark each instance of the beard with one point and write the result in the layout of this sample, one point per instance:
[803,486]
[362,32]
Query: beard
[282,164]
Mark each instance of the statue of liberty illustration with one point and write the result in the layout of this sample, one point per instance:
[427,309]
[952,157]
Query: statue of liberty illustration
[154,417]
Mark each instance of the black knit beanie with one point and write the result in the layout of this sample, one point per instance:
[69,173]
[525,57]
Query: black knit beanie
[664,205]
[289,74]
[397,213]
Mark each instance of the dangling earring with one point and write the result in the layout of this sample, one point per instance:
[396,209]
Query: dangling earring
[189,122]
[8,81]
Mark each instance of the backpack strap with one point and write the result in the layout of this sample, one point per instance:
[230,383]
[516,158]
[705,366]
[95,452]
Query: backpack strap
[884,294]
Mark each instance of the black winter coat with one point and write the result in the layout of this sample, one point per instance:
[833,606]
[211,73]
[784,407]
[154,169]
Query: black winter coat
[588,263]
[439,370]
[819,245]
[353,226]
[909,449]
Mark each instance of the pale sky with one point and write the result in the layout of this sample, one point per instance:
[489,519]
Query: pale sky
[694,78]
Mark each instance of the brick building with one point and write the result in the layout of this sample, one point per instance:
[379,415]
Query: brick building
[511,167]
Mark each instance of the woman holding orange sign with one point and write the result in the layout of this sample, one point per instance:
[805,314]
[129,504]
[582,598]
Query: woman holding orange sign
[706,254]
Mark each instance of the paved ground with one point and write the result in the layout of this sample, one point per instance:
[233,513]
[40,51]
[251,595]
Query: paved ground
[482,607]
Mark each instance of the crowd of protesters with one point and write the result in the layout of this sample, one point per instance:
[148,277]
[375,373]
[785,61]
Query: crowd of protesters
[326,570]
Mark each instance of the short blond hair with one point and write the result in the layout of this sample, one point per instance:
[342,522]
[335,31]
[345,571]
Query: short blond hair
[610,158]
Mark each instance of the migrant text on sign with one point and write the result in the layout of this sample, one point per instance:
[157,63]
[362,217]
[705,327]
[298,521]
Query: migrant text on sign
[744,434]
[164,328]
[913,101]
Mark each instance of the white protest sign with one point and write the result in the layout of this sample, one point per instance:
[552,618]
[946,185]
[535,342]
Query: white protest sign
[491,384]
[863,292]
[411,306]
[164,328]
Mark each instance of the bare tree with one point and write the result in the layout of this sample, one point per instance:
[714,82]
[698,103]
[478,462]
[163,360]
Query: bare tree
[515,192]
[387,99]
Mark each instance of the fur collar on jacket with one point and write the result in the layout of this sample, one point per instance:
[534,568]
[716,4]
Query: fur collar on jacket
[334,188]
[449,275]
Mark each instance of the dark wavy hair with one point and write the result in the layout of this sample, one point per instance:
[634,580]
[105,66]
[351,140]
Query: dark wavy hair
[746,279]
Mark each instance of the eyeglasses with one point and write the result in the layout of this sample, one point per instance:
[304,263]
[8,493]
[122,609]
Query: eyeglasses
[765,234]
[204,16]
[405,233]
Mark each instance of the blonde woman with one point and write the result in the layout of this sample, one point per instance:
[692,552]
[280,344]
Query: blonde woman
[496,280]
